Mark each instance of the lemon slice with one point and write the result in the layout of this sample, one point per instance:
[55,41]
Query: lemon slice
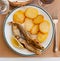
[15,43]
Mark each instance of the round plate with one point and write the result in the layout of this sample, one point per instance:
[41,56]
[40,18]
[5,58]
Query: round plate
[8,32]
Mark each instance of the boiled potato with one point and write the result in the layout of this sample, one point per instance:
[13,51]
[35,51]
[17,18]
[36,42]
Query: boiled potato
[19,16]
[38,19]
[44,27]
[31,12]
[34,29]
[42,37]
[28,24]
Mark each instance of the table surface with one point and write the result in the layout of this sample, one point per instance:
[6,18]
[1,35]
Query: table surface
[54,10]
[32,59]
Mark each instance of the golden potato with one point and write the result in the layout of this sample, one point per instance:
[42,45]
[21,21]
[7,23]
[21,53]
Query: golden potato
[42,37]
[19,16]
[38,19]
[44,27]
[28,24]
[35,29]
[31,12]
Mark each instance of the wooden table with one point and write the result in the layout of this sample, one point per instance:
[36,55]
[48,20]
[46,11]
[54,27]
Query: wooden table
[54,11]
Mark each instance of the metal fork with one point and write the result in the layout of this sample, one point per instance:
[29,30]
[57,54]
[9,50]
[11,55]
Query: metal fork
[55,21]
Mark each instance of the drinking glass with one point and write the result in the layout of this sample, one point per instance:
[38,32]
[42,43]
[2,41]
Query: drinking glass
[43,2]
[4,6]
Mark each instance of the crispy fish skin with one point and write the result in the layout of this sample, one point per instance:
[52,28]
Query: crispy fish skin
[28,39]
[15,31]
[29,47]
[17,35]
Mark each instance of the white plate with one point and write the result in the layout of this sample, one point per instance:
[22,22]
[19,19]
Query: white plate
[8,32]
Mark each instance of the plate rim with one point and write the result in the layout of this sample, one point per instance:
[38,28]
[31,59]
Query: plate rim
[52,29]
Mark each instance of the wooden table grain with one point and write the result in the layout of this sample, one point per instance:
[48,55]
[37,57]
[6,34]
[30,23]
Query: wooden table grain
[54,10]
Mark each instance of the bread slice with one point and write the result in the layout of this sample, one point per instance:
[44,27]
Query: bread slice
[19,2]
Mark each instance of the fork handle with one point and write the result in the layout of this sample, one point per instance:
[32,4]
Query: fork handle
[55,39]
